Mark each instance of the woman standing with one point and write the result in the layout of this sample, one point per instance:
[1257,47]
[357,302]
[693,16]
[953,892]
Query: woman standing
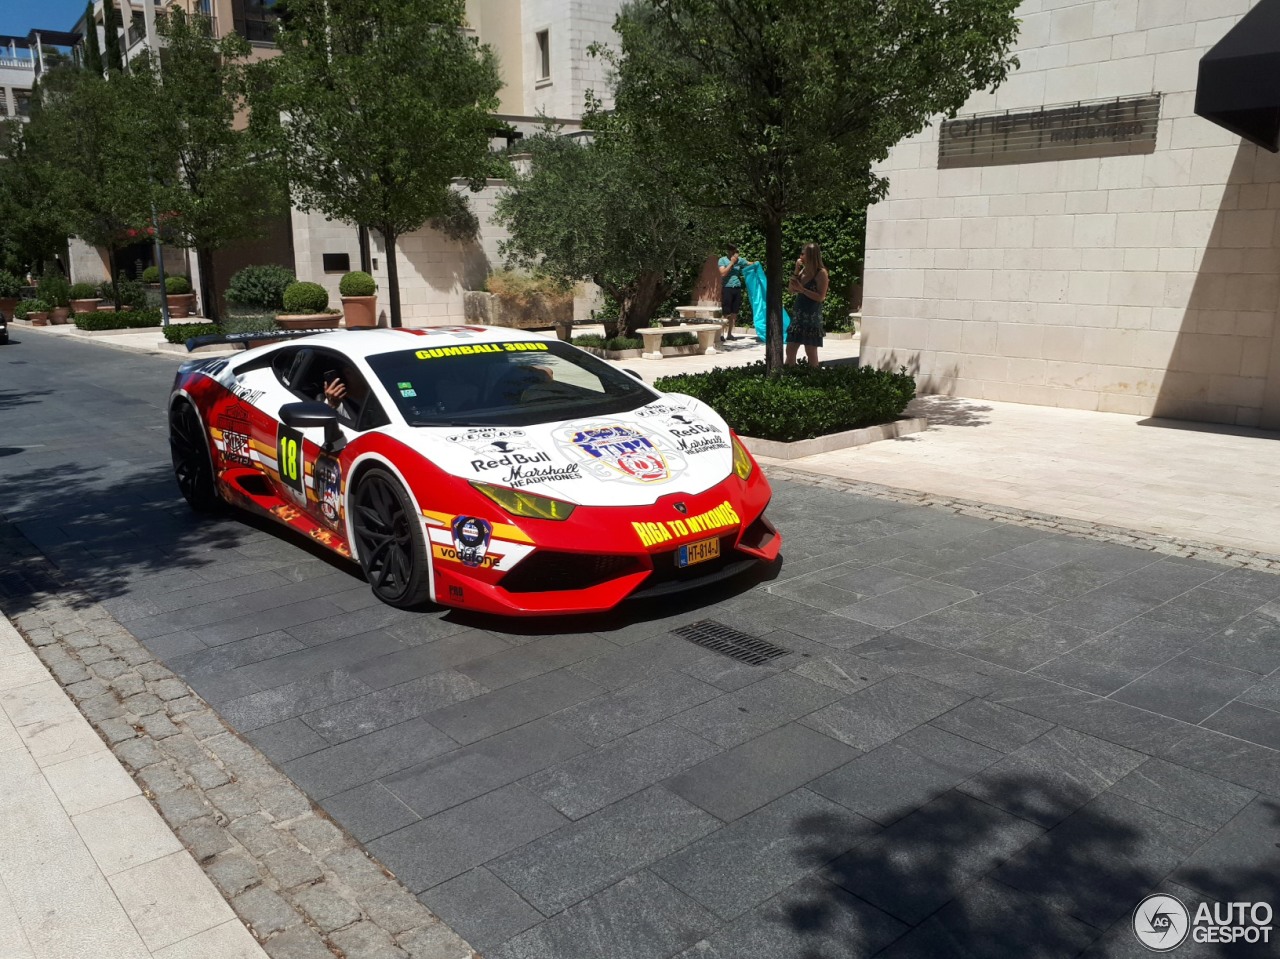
[810,286]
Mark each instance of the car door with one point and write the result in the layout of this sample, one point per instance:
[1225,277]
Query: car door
[309,473]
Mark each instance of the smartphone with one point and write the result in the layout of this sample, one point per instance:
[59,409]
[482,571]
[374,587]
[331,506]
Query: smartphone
[330,376]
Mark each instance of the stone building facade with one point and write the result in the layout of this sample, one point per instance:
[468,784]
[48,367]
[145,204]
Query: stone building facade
[1135,277]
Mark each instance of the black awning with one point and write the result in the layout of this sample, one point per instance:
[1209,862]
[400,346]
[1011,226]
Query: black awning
[1239,83]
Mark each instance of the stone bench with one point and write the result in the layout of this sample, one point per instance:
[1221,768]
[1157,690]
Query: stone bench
[652,337]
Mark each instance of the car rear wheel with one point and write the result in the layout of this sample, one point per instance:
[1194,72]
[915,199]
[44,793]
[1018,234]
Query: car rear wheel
[190,453]
[389,541]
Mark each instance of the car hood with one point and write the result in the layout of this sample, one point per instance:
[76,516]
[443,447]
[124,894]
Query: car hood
[676,444]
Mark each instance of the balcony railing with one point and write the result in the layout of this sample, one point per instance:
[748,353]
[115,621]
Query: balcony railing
[17,63]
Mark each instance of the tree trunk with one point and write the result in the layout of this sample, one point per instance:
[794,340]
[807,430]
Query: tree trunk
[208,299]
[393,276]
[115,282]
[775,279]
[638,307]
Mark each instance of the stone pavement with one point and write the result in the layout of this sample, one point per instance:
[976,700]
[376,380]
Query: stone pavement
[84,858]
[982,735]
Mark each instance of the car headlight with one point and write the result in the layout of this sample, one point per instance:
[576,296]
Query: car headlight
[742,462]
[526,504]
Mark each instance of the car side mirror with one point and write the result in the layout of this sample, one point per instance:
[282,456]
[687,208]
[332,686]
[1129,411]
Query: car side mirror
[312,414]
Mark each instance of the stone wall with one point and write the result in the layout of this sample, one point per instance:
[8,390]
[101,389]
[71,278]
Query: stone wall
[1143,284]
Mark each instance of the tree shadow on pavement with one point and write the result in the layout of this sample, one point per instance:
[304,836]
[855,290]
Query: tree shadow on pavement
[963,877]
[10,399]
[108,532]
[942,410]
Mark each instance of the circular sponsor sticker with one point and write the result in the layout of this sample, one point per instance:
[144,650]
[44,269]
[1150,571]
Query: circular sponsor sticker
[1161,922]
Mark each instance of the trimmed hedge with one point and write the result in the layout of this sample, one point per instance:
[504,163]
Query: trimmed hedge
[151,274]
[181,332]
[802,402]
[616,344]
[305,298]
[84,291]
[106,320]
[177,285]
[357,283]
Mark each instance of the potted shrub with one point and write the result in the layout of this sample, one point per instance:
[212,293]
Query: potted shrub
[37,311]
[181,300]
[359,300]
[151,277]
[306,307]
[10,293]
[84,297]
[54,290]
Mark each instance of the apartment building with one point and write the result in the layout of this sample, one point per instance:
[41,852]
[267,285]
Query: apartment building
[24,59]
[1102,232]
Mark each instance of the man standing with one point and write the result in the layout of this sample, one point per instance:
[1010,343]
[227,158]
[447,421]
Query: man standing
[731,284]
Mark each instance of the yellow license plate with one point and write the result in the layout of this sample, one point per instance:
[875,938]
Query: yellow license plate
[699,552]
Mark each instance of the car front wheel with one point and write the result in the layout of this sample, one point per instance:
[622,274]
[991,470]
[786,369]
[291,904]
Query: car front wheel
[389,541]
[189,451]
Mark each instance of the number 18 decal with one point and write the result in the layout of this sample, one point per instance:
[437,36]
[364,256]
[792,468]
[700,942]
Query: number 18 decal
[289,458]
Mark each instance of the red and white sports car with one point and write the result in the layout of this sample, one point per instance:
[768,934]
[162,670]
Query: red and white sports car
[483,468]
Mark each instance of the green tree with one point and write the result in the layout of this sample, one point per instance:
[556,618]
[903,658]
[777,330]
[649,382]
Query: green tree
[601,211]
[33,226]
[386,102]
[111,30]
[793,101]
[86,137]
[211,181]
[92,50]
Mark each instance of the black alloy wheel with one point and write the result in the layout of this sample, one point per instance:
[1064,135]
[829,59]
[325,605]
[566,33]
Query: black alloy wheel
[388,540]
[189,451]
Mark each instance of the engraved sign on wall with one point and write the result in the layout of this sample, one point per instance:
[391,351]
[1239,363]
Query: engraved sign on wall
[1089,128]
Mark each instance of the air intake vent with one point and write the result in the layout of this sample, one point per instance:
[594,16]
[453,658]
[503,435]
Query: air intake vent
[730,642]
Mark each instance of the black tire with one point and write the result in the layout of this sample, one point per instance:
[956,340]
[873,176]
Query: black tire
[389,542]
[189,450]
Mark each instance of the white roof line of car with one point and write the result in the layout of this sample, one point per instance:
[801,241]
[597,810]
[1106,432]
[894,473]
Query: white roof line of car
[371,342]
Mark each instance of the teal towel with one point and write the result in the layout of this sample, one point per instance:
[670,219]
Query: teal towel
[753,274]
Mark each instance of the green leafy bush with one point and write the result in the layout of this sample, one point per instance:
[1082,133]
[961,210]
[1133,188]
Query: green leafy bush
[305,298]
[54,289]
[802,402]
[151,274]
[83,291]
[106,320]
[181,332]
[30,306]
[590,340]
[133,293]
[260,287]
[10,285]
[357,283]
[177,285]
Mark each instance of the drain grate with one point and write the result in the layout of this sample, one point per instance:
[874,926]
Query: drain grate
[731,642]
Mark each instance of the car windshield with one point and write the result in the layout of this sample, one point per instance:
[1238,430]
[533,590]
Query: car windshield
[507,384]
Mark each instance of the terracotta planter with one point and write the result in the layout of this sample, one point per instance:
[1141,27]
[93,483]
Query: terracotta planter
[8,304]
[85,306]
[38,319]
[60,315]
[308,321]
[360,312]
[181,305]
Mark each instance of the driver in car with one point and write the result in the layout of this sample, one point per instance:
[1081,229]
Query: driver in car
[335,395]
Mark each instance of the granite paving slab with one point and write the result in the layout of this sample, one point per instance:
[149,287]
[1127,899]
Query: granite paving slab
[1008,676]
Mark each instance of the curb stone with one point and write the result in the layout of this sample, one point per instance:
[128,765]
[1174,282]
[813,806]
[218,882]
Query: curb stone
[303,886]
[1101,532]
